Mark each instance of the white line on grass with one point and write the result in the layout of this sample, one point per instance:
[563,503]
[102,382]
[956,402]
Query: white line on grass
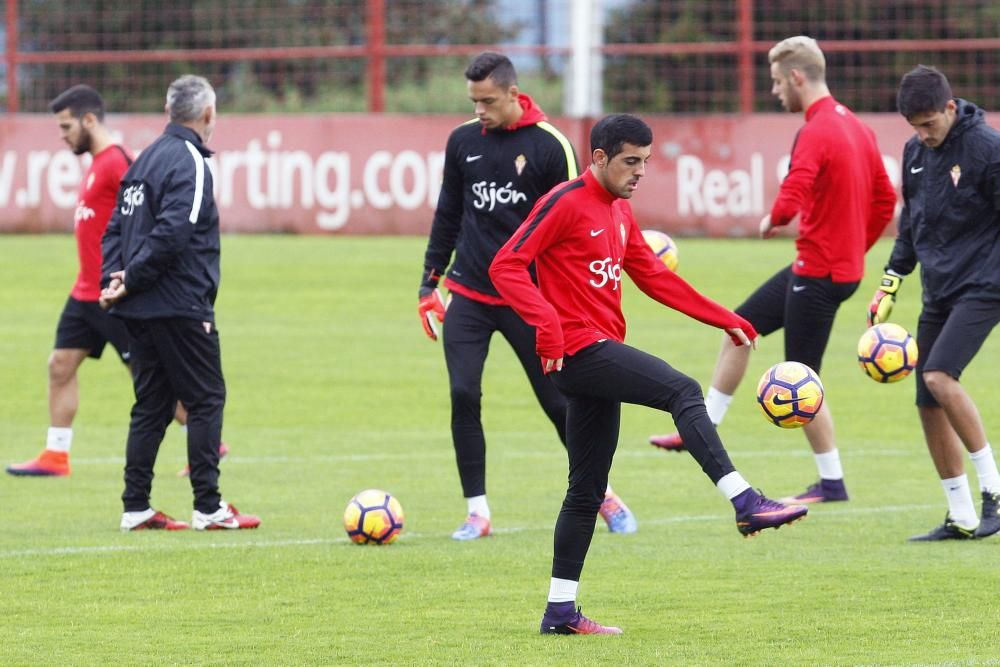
[448,455]
[97,550]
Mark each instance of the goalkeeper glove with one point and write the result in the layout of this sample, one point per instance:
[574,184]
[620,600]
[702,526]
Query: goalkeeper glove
[431,308]
[885,297]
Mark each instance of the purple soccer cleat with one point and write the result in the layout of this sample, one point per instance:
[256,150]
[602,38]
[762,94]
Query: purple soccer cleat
[823,491]
[562,619]
[755,512]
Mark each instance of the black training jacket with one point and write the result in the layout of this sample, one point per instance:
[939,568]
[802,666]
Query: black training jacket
[491,182]
[950,221]
[164,231]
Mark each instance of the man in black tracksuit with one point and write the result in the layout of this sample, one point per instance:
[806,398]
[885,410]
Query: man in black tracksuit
[496,166]
[161,271]
[950,224]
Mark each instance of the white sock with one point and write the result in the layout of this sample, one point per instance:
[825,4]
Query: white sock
[717,403]
[986,469]
[477,505]
[563,590]
[59,439]
[960,507]
[608,491]
[828,464]
[732,485]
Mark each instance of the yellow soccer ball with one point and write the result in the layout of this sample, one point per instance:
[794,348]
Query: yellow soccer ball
[789,394]
[887,352]
[663,247]
[373,517]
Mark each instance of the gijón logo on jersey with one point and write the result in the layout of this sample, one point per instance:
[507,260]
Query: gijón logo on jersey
[488,195]
[133,198]
[82,213]
[606,272]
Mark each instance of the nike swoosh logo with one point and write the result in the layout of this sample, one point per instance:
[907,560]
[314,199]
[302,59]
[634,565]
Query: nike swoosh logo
[596,232]
[781,401]
[798,288]
[472,158]
[916,170]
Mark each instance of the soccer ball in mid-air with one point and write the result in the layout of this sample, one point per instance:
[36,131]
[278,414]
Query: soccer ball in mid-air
[887,352]
[789,394]
[663,247]
[373,517]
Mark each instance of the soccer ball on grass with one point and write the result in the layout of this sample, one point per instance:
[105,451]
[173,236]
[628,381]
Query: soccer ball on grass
[789,394]
[663,247]
[373,517]
[887,352]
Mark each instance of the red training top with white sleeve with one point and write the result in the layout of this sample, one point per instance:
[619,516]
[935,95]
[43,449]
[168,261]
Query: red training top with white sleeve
[581,237]
[98,193]
[838,183]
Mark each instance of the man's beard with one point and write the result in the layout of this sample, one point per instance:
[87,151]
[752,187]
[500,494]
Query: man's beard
[85,143]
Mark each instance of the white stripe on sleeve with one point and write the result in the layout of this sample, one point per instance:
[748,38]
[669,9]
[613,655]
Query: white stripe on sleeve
[199,181]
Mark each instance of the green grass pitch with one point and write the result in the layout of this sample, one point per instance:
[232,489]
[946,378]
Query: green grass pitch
[333,388]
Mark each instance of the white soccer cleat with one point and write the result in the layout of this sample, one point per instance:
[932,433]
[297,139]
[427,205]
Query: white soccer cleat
[226,517]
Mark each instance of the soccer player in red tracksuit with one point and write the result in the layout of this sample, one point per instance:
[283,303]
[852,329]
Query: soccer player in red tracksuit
[84,327]
[495,169]
[838,186]
[580,237]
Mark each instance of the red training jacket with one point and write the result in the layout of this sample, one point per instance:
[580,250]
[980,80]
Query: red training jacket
[581,238]
[96,202]
[837,181]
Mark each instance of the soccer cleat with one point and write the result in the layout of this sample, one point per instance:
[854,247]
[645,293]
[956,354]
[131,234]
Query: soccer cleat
[755,512]
[671,442]
[223,450]
[474,527]
[226,517]
[617,515]
[949,530]
[47,464]
[990,522]
[575,624]
[159,521]
[823,491]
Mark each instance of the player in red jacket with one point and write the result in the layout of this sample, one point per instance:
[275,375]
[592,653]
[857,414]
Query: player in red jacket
[580,237]
[838,187]
[84,327]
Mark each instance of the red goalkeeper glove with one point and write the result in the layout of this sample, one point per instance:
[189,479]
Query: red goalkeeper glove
[885,296]
[431,308]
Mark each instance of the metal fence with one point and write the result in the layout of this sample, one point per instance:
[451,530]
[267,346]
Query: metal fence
[655,56]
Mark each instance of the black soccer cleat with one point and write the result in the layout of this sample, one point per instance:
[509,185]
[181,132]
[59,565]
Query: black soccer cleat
[949,530]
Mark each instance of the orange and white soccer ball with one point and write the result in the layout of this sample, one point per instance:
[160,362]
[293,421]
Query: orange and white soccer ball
[663,247]
[373,517]
[887,352]
[789,394]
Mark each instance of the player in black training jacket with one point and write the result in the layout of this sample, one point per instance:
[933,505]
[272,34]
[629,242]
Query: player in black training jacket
[950,224]
[496,166]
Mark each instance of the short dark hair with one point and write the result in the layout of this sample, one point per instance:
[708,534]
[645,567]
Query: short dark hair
[612,132]
[492,65]
[80,100]
[922,90]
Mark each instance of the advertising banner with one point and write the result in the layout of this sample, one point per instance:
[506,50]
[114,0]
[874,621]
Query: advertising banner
[381,174]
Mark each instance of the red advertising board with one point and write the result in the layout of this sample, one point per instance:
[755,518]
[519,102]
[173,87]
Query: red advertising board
[380,174]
